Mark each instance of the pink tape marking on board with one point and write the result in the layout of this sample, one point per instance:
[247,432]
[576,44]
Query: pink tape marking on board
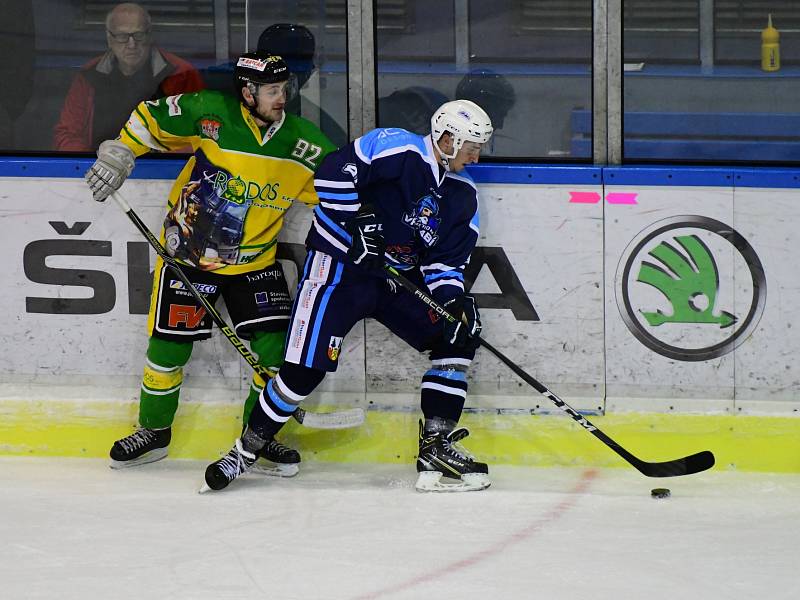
[621,198]
[584,197]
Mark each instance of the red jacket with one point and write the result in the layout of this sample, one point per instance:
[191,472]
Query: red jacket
[73,132]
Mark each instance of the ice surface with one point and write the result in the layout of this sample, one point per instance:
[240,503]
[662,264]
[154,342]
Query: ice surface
[75,529]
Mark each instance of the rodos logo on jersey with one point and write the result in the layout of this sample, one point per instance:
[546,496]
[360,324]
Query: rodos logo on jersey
[424,218]
[670,293]
[238,190]
[235,190]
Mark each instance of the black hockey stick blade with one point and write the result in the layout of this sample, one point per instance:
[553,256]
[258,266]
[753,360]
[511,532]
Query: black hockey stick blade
[696,463]
[688,465]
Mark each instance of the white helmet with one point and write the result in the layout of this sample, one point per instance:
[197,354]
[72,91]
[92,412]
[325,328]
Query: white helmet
[465,120]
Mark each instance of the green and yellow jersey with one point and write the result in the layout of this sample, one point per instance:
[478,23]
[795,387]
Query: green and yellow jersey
[227,205]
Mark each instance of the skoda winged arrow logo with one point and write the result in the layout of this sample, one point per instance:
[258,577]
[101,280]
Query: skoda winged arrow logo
[689,281]
[670,293]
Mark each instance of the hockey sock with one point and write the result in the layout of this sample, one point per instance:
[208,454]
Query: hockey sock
[439,425]
[443,391]
[252,442]
[281,397]
[269,349]
[161,382]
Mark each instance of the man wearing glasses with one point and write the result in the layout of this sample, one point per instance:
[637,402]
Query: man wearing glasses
[106,90]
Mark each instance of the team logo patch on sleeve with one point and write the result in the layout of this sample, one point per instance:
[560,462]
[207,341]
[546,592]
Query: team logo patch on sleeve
[210,128]
[352,170]
[334,347]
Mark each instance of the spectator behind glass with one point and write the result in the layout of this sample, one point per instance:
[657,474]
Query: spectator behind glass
[495,94]
[109,87]
[489,90]
[296,45]
[411,108]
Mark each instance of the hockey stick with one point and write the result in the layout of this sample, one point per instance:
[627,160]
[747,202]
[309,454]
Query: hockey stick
[671,468]
[332,420]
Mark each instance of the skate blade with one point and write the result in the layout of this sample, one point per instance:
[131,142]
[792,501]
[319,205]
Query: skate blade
[343,419]
[204,488]
[431,481]
[263,467]
[152,456]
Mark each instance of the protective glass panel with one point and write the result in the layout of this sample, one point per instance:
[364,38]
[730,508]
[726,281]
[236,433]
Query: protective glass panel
[74,70]
[708,81]
[311,35]
[526,62]
[78,69]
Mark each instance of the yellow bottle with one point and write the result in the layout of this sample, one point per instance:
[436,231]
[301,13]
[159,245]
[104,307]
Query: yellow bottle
[770,48]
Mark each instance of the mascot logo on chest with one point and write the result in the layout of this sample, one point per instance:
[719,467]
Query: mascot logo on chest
[425,220]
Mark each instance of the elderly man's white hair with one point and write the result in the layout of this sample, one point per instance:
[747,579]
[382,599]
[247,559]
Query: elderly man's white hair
[128,8]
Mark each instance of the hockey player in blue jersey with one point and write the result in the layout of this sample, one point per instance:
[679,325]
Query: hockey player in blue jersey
[404,200]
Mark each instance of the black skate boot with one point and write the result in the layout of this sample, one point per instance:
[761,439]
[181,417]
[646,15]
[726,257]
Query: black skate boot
[141,447]
[277,460]
[441,458]
[236,462]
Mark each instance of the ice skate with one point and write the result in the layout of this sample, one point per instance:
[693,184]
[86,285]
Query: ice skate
[141,447]
[277,460]
[221,473]
[444,466]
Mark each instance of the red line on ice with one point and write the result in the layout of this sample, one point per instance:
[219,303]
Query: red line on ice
[492,551]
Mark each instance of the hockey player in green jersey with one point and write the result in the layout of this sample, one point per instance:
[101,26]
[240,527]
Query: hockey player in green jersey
[250,161]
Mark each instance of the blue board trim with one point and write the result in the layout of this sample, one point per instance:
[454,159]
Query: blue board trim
[767,178]
[763,177]
[535,174]
[667,176]
[15,166]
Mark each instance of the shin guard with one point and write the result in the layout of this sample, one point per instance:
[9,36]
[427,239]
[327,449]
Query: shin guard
[161,382]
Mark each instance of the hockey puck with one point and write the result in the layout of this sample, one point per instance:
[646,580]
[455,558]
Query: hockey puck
[660,493]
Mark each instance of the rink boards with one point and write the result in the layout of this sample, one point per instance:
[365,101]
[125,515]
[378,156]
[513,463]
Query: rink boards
[665,299]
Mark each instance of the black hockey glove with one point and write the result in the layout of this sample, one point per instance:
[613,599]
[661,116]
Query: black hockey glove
[368,245]
[467,329]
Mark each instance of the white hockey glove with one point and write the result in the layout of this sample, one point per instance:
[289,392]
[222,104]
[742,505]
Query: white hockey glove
[113,165]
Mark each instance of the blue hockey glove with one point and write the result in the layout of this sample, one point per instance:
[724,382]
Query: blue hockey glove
[368,245]
[467,329]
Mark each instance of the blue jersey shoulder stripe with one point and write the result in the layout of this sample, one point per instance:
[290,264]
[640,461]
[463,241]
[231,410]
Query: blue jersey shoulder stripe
[388,141]
[463,176]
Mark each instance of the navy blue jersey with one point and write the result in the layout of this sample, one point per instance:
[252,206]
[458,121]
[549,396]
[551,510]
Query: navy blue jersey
[429,216]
